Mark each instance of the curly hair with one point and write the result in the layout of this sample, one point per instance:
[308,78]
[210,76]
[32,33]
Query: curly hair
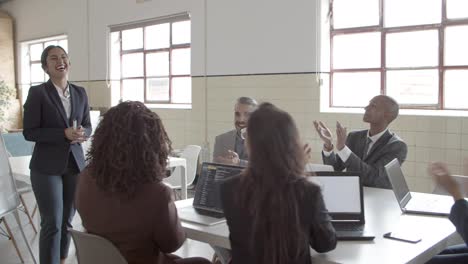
[130,148]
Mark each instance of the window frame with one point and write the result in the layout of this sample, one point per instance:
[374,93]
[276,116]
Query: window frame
[26,62]
[380,28]
[144,24]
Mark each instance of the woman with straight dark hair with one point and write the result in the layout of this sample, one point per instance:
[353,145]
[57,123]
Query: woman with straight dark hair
[274,214]
[121,195]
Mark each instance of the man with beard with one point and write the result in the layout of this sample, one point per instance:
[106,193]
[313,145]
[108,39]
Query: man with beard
[229,147]
[366,151]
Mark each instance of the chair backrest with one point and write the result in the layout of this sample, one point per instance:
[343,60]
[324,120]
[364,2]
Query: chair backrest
[462,182]
[93,249]
[191,153]
[17,145]
[313,167]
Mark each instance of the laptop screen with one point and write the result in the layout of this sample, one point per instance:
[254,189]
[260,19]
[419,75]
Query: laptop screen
[342,194]
[207,194]
[397,179]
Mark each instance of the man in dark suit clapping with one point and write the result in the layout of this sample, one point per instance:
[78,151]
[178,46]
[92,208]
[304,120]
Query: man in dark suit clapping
[366,151]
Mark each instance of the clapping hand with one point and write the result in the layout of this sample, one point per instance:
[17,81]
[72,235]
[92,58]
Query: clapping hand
[441,175]
[231,158]
[325,134]
[341,135]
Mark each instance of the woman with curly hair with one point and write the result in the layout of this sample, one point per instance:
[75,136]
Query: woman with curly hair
[121,195]
[274,214]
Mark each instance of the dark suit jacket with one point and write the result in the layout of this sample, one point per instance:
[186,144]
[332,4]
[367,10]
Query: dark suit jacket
[388,147]
[225,142]
[45,121]
[459,217]
[314,218]
[142,228]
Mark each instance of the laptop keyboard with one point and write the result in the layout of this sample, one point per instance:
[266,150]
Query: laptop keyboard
[348,226]
[210,213]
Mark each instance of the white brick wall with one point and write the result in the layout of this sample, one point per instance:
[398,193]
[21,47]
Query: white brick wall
[428,138]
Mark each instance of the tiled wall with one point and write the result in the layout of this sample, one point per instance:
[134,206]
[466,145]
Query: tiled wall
[428,138]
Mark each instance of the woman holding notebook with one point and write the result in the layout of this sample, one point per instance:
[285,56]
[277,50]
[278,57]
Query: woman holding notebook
[121,195]
[274,214]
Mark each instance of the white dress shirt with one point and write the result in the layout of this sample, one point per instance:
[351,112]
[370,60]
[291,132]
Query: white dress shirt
[345,152]
[65,98]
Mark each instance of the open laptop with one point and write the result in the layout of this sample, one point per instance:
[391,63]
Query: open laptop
[343,196]
[206,208]
[413,202]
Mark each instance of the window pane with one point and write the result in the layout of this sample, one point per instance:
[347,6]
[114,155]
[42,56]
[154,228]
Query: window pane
[414,87]
[182,90]
[457,8]
[411,12]
[349,85]
[133,90]
[157,89]
[456,44]
[132,39]
[115,55]
[157,64]
[37,73]
[456,89]
[180,61]
[64,44]
[412,49]
[157,36]
[356,51]
[181,32]
[356,13]
[35,52]
[48,43]
[132,65]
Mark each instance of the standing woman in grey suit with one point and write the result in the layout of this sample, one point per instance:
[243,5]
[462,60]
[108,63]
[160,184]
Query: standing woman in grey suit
[56,118]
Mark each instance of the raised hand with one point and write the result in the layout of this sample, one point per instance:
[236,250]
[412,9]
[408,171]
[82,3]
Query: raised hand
[341,135]
[325,134]
[307,153]
[441,175]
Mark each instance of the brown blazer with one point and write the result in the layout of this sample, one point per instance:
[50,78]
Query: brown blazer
[143,228]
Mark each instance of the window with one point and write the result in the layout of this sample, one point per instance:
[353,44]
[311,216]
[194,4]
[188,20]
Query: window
[31,68]
[150,61]
[412,50]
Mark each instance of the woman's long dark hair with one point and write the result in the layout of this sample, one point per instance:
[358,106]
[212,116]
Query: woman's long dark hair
[269,184]
[130,148]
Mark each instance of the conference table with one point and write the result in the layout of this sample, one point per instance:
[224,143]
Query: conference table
[382,215]
[20,168]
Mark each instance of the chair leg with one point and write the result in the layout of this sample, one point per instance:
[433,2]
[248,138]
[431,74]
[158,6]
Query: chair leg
[13,240]
[34,210]
[27,213]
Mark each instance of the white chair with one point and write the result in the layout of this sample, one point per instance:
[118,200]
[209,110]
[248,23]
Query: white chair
[462,182]
[93,249]
[313,167]
[190,153]
[95,117]
[16,145]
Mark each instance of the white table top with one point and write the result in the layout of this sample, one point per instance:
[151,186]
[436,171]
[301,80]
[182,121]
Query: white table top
[20,166]
[382,215]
